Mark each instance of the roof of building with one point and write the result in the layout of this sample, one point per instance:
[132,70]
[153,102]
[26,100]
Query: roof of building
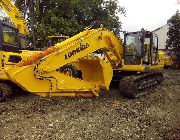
[177,12]
[160,28]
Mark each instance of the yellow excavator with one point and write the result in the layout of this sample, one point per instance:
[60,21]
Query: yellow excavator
[135,62]
[13,39]
[38,74]
[170,60]
[13,42]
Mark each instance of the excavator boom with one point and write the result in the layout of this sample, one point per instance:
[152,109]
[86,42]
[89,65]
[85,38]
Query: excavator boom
[38,74]
[15,16]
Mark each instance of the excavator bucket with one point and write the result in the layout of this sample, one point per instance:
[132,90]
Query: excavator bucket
[96,71]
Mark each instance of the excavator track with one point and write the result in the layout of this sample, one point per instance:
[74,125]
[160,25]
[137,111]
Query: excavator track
[137,85]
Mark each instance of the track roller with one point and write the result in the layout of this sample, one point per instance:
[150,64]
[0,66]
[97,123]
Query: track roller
[136,85]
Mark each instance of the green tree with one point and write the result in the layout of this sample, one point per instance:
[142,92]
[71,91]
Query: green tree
[69,17]
[173,42]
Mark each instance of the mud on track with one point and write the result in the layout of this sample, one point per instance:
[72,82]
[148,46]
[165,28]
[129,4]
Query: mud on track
[110,116]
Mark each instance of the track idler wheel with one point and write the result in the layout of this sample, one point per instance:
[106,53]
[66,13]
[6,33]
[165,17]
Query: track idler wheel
[5,91]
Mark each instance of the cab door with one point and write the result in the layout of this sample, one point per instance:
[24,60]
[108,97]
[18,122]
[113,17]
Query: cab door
[154,50]
[132,49]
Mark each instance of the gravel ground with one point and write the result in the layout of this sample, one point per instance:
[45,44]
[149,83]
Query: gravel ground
[154,116]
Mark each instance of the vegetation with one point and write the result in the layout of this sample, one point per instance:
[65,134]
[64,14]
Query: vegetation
[173,42]
[56,17]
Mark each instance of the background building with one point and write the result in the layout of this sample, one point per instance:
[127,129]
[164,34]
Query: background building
[162,36]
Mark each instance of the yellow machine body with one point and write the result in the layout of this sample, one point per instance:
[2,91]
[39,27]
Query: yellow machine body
[41,77]
[142,67]
[38,73]
[169,60]
[9,58]
[5,62]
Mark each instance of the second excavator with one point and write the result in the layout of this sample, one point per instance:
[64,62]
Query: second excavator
[138,58]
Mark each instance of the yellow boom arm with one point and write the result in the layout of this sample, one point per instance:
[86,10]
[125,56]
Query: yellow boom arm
[38,73]
[81,45]
[15,16]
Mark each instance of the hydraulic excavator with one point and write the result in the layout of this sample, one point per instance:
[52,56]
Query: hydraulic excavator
[141,62]
[13,40]
[13,43]
[38,74]
[136,62]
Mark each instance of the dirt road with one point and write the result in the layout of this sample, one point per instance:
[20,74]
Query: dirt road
[110,116]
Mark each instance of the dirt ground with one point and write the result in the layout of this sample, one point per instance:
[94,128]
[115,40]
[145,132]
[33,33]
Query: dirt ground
[153,116]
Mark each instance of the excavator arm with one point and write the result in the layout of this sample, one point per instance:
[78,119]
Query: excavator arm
[15,16]
[38,73]
[80,46]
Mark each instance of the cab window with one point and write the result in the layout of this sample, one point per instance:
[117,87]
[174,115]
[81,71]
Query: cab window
[9,35]
[133,45]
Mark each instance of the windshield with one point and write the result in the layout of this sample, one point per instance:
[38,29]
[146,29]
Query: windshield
[132,44]
[9,35]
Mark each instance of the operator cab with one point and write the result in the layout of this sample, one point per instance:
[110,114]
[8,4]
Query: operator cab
[140,48]
[9,37]
[56,39]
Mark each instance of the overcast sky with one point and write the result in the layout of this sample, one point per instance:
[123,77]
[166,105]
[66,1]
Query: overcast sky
[149,14]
